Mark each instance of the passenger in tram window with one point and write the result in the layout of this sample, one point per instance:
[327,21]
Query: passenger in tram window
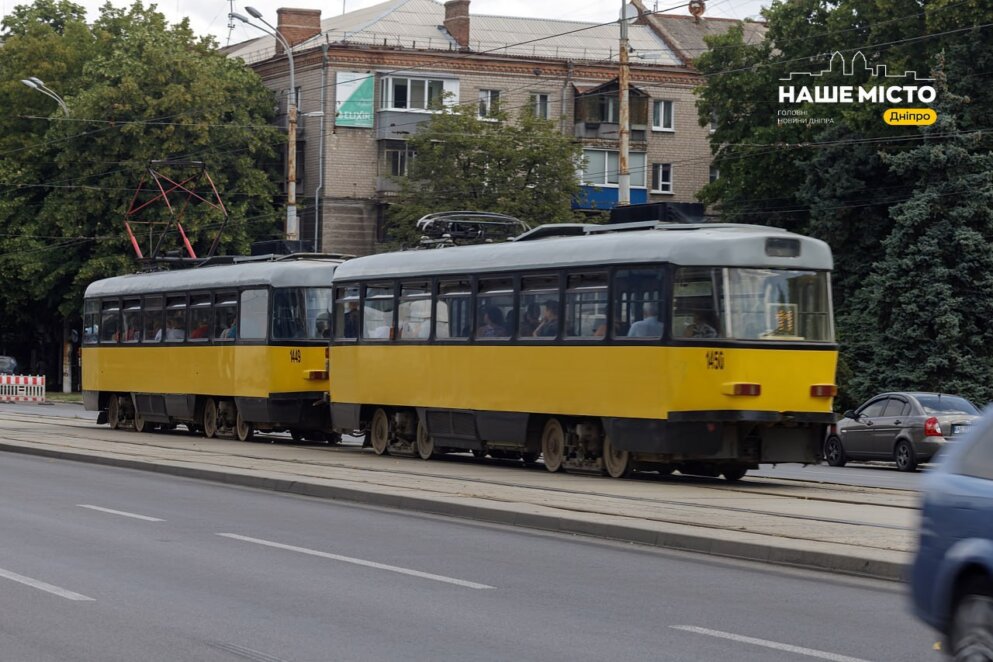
[493,323]
[232,330]
[172,331]
[649,325]
[549,327]
[352,320]
[531,319]
[702,326]
[323,325]
[201,330]
[600,327]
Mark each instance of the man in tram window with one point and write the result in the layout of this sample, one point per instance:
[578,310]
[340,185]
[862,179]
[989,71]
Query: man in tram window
[648,326]
[549,327]
[352,320]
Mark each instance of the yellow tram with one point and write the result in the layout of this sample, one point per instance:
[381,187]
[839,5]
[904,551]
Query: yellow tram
[700,348]
[227,348]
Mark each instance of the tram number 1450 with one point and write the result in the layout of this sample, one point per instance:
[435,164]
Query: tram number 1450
[715,360]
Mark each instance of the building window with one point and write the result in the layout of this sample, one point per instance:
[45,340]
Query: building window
[396,160]
[662,116]
[609,110]
[489,102]
[715,174]
[601,168]
[401,93]
[662,178]
[539,102]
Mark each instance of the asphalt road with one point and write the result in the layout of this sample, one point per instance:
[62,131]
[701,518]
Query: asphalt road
[106,564]
[864,474]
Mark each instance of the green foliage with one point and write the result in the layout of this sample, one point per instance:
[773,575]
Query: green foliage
[138,90]
[525,168]
[910,276]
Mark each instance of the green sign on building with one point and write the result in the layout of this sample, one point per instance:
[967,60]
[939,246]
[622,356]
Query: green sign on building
[353,99]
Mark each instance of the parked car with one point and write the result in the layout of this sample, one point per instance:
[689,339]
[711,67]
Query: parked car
[908,428]
[951,581]
[8,365]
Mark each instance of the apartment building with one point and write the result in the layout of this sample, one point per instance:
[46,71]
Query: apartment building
[366,81]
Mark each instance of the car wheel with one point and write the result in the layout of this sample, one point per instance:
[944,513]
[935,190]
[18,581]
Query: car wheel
[904,456]
[834,452]
[970,636]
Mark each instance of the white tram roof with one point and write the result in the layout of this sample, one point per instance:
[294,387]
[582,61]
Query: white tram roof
[278,273]
[715,245]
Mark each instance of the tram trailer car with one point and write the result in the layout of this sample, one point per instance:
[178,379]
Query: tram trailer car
[705,348]
[222,349]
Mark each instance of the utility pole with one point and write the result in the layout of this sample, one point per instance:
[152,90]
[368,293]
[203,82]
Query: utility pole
[624,130]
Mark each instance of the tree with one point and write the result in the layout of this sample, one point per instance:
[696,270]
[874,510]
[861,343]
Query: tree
[526,169]
[138,90]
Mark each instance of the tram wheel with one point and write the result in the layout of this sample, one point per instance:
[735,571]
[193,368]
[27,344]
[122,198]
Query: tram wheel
[616,463]
[210,418]
[243,429]
[139,422]
[733,474]
[114,412]
[379,432]
[553,445]
[425,442]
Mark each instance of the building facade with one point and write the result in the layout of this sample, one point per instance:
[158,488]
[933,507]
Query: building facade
[366,80]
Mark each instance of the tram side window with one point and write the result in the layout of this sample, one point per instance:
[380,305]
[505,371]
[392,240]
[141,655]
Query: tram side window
[637,303]
[346,312]
[454,315]
[110,321]
[414,312]
[586,306]
[779,304]
[152,327]
[200,318]
[495,309]
[377,312]
[539,311]
[697,298]
[175,328]
[131,320]
[91,322]
[254,314]
[301,313]
[225,314]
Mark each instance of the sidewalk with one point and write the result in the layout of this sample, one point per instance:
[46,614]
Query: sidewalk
[852,530]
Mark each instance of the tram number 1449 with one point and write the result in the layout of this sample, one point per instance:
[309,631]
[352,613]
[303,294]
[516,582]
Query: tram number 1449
[295,356]
[715,360]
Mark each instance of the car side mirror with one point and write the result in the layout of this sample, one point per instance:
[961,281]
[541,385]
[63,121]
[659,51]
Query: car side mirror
[850,413]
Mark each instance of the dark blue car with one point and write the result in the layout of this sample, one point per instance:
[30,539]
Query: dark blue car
[952,577]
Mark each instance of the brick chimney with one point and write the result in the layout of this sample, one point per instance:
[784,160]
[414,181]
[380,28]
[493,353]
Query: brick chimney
[297,25]
[457,21]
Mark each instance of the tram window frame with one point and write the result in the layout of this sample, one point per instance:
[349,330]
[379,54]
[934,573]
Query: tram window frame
[201,304]
[541,286]
[109,334]
[715,316]
[131,320]
[462,293]
[153,304]
[633,305]
[225,307]
[175,304]
[385,293]
[257,328]
[91,321]
[345,295]
[410,294]
[584,283]
[495,287]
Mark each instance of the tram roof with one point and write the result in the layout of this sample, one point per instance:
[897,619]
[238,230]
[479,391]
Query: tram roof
[278,273]
[719,245]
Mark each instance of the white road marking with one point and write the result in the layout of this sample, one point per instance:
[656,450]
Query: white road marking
[362,562]
[120,512]
[42,586]
[809,652]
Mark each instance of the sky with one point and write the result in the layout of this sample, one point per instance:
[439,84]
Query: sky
[210,16]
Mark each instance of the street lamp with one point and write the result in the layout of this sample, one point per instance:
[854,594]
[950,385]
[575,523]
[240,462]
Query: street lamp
[35,84]
[292,230]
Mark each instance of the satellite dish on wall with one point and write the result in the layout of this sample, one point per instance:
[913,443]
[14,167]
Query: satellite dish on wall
[697,7]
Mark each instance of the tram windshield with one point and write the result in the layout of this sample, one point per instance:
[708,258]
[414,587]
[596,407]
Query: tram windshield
[301,313]
[781,305]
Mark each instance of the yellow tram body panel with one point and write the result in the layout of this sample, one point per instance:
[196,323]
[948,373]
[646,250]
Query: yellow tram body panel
[247,371]
[615,381]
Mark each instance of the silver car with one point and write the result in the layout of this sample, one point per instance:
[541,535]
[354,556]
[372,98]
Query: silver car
[908,428]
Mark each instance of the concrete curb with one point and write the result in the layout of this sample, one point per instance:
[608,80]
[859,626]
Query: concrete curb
[698,543]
